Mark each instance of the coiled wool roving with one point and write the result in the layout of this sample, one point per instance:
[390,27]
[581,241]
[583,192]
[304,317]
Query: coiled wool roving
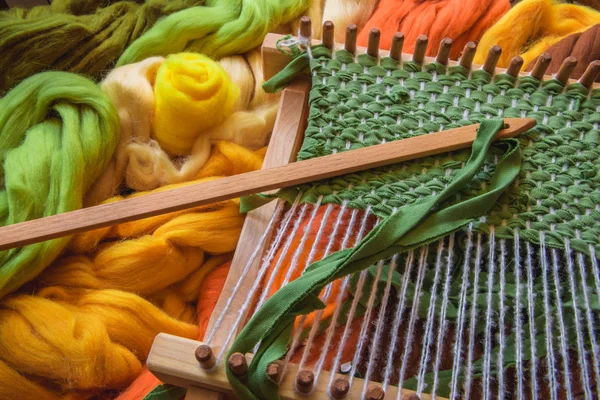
[532,26]
[140,163]
[222,27]
[74,35]
[57,132]
[192,93]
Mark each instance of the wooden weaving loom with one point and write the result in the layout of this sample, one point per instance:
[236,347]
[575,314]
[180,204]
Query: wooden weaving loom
[199,366]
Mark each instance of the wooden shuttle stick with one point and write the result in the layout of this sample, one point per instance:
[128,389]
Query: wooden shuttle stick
[249,183]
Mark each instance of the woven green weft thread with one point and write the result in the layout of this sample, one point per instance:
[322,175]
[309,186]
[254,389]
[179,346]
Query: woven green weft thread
[411,226]
[358,102]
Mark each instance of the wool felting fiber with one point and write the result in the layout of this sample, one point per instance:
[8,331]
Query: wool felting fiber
[131,89]
[345,12]
[72,35]
[532,26]
[222,27]
[192,93]
[584,46]
[90,321]
[460,20]
[140,161]
[57,133]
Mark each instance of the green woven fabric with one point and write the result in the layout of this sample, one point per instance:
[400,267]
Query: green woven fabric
[358,102]
[361,102]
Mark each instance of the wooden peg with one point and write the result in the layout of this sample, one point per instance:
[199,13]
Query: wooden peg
[375,392]
[373,46]
[420,49]
[515,66]
[397,43]
[305,27]
[205,356]
[340,388]
[492,59]
[273,371]
[467,56]
[444,52]
[412,396]
[541,65]
[350,44]
[305,381]
[590,74]
[238,364]
[566,69]
[328,34]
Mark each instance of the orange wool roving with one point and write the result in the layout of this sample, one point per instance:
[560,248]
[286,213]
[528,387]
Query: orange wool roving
[460,20]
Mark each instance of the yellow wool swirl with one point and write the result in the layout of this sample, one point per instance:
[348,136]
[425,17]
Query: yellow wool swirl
[532,26]
[192,93]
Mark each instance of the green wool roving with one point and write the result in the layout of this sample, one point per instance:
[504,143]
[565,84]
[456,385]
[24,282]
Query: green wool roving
[220,28]
[57,132]
[74,35]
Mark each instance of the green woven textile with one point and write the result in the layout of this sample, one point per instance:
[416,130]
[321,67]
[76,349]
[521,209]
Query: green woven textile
[362,101]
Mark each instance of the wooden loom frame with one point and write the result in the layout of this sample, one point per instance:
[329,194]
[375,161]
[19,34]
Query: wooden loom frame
[172,358]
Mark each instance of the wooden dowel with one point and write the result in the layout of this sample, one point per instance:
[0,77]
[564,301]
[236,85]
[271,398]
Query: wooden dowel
[467,56]
[493,56]
[541,65]
[590,74]
[238,364]
[328,34]
[373,45]
[339,388]
[397,43]
[375,392]
[305,381]
[444,51]
[566,69]
[235,186]
[305,27]
[420,49]
[205,356]
[350,44]
[515,66]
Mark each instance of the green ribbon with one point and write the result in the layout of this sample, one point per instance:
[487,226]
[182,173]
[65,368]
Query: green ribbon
[410,227]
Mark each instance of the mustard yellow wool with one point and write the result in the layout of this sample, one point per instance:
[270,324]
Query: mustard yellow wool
[532,26]
[91,343]
[192,93]
[94,312]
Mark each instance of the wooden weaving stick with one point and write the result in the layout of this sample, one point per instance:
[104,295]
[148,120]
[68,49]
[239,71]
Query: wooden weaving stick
[249,183]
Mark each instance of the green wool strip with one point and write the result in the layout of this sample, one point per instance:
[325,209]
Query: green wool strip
[411,226]
[57,133]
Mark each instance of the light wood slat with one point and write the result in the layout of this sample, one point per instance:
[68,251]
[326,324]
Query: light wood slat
[196,393]
[283,147]
[245,184]
[172,360]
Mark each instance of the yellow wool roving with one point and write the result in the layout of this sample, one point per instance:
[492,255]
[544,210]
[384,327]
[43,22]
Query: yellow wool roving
[148,164]
[192,93]
[532,26]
